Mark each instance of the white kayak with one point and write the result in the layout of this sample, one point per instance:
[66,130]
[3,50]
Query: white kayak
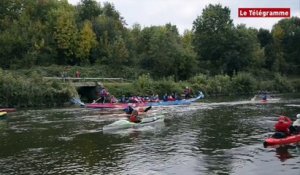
[126,124]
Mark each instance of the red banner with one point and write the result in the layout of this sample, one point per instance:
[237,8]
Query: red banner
[264,12]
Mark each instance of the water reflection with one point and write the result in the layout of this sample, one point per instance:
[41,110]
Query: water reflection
[282,153]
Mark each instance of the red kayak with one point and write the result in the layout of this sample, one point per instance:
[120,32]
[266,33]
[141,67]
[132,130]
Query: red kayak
[7,110]
[282,141]
[114,105]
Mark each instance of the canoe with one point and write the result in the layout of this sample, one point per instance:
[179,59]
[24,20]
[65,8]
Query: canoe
[2,114]
[126,124]
[176,102]
[282,141]
[114,105]
[7,109]
[161,103]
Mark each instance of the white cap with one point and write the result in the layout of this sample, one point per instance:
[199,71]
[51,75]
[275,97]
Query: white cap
[298,116]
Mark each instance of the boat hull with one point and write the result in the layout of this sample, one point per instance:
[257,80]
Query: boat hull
[125,105]
[7,110]
[114,105]
[125,124]
[2,114]
[282,141]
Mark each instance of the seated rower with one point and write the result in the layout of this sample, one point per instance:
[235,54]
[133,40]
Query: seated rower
[134,117]
[296,123]
[134,113]
[128,110]
[283,127]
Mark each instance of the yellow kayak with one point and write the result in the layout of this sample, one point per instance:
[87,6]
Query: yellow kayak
[3,114]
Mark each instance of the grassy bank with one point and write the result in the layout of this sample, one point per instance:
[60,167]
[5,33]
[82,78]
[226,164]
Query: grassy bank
[32,91]
[27,88]
[240,84]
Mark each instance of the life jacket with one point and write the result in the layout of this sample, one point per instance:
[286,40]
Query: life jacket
[134,118]
[103,93]
[282,126]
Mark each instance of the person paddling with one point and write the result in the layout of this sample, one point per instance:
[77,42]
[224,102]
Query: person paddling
[134,114]
[296,123]
[134,117]
[284,127]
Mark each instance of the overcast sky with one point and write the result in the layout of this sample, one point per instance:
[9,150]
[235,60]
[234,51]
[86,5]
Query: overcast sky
[182,13]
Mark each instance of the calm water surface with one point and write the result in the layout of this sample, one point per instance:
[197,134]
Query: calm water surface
[210,138]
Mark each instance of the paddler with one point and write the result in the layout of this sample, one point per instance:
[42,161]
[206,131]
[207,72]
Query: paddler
[134,113]
[134,117]
[284,127]
[296,123]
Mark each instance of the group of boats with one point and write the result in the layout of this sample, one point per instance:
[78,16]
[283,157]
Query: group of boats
[144,104]
[146,119]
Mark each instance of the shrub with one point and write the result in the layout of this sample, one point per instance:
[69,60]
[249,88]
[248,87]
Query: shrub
[281,84]
[243,83]
[20,91]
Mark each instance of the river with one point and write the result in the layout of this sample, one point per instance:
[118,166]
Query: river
[216,137]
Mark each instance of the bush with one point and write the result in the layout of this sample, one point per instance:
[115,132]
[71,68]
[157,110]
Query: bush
[168,86]
[144,85]
[243,83]
[220,84]
[281,84]
[20,91]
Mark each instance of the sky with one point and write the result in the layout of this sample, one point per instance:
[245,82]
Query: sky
[182,13]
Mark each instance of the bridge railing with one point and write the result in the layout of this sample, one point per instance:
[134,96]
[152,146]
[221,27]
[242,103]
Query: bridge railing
[73,79]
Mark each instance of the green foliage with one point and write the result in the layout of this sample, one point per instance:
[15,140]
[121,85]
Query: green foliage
[42,34]
[286,34]
[213,32]
[19,91]
[243,83]
[66,34]
[144,85]
[281,84]
[295,83]
[88,9]
[87,41]
[167,85]
[119,89]
[219,84]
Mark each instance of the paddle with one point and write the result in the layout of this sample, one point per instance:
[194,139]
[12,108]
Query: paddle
[148,108]
[95,101]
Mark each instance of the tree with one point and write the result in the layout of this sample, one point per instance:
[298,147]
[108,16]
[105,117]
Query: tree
[65,33]
[161,52]
[265,37]
[86,42]
[286,34]
[88,10]
[212,33]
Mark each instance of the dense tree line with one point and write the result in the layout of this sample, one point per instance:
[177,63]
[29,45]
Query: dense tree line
[47,32]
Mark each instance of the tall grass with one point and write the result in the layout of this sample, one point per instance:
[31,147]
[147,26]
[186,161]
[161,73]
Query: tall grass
[20,91]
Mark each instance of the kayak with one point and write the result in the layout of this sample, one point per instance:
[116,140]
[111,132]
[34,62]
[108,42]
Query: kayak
[282,141]
[7,109]
[126,124]
[270,100]
[2,114]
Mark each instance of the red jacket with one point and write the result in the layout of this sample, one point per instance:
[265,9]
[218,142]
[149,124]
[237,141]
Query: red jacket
[283,124]
[134,118]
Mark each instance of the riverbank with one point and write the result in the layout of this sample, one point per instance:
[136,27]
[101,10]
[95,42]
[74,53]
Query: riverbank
[28,88]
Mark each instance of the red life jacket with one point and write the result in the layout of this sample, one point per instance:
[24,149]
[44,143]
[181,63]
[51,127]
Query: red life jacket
[282,126]
[134,118]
